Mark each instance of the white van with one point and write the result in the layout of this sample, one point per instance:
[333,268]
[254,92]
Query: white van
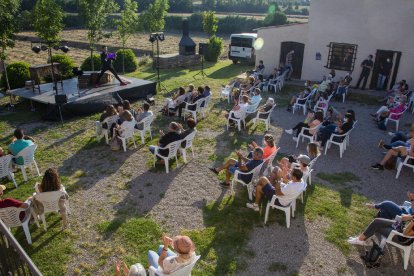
[241,47]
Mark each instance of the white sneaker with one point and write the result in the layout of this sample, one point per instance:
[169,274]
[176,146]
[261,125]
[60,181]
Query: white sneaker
[253,206]
[295,139]
[289,131]
[356,241]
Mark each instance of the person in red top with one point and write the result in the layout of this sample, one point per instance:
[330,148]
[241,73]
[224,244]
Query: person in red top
[11,202]
[268,148]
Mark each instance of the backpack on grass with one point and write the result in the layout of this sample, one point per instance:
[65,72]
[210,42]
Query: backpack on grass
[372,258]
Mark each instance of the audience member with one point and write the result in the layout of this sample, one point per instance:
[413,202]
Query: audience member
[400,151]
[302,96]
[266,107]
[51,183]
[142,114]
[109,112]
[171,261]
[127,120]
[339,128]
[191,127]
[288,191]
[2,153]
[127,106]
[135,270]
[311,123]
[268,148]
[11,202]
[313,150]
[165,139]
[18,144]
[398,139]
[242,163]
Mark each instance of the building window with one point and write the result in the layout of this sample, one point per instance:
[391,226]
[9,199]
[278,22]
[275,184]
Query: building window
[341,56]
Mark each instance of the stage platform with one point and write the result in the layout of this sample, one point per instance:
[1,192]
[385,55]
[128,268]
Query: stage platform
[90,100]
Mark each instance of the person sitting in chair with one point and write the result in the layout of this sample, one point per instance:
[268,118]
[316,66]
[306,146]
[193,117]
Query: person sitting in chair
[19,143]
[169,260]
[106,62]
[171,136]
[242,163]
[401,151]
[142,114]
[11,202]
[264,187]
[191,128]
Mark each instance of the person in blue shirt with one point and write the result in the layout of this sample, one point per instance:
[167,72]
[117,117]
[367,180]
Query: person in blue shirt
[242,164]
[18,144]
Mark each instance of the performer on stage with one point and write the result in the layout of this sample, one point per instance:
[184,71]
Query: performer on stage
[106,61]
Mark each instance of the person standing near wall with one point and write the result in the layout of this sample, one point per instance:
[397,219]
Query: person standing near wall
[384,73]
[366,65]
[288,63]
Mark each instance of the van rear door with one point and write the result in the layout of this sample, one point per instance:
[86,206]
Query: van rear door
[241,47]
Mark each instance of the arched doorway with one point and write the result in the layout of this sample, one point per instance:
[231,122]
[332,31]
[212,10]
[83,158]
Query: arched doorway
[297,60]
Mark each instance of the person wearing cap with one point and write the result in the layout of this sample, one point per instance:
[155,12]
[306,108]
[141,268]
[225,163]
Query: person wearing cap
[268,189]
[303,162]
[11,202]
[169,260]
[18,144]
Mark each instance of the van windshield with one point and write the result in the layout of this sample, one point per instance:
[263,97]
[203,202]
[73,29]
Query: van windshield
[241,42]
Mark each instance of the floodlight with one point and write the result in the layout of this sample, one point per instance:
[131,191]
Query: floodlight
[36,49]
[161,36]
[64,49]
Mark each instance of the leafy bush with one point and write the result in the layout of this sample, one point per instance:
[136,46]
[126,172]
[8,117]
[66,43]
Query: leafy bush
[181,6]
[131,63]
[145,60]
[214,49]
[25,20]
[275,19]
[66,65]
[86,64]
[238,24]
[18,73]
[73,21]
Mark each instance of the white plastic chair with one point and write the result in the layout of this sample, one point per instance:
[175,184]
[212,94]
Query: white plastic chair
[323,105]
[146,126]
[5,168]
[397,121]
[128,133]
[172,153]
[242,118]
[286,209]
[251,109]
[250,185]
[268,161]
[50,202]
[28,156]
[11,218]
[402,163]
[298,105]
[406,248]
[188,145]
[193,113]
[204,107]
[184,271]
[266,120]
[226,92]
[312,138]
[105,131]
[342,144]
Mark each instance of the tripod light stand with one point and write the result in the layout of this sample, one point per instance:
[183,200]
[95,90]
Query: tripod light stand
[158,37]
[202,47]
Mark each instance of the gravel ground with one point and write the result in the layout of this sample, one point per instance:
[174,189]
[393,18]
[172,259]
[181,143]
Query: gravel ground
[115,182]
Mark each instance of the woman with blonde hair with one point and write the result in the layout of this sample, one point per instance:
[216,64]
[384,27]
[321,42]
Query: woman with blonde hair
[169,260]
[51,183]
[128,121]
[313,150]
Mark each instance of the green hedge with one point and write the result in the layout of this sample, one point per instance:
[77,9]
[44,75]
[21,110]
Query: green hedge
[18,73]
[66,65]
[86,64]
[131,63]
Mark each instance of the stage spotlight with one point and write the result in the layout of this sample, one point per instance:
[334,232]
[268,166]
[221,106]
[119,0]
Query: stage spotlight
[44,48]
[153,37]
[161,36]
[64,49]
[36,49]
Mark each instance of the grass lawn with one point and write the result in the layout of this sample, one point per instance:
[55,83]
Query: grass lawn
[228,224]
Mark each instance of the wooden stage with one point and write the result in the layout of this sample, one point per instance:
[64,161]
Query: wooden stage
[89,100]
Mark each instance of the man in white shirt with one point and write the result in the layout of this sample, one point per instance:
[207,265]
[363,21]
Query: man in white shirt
[288,191]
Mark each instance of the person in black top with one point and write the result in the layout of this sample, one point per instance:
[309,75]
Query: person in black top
[384,73]
[107,66]
[191,127]
[366,65]
[171,136]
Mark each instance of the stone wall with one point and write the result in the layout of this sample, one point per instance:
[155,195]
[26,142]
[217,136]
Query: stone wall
[170,61]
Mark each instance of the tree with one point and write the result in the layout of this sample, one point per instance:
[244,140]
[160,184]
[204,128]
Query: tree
[9,26]
[95,13]
[127,25]
[153,20]
[48,27]
[210,23]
